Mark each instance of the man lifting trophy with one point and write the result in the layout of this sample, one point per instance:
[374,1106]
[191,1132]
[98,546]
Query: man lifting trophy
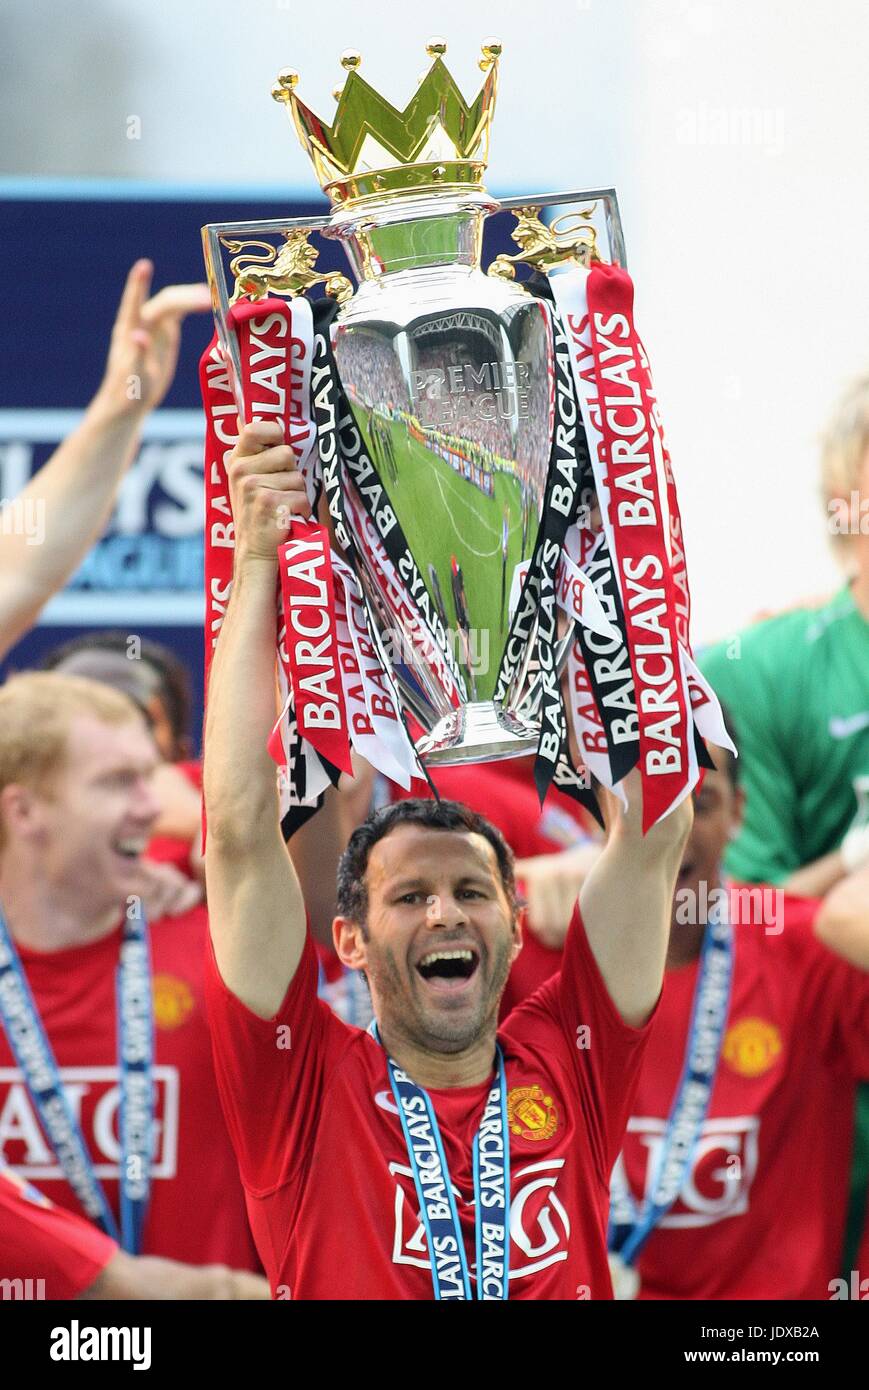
[441,527]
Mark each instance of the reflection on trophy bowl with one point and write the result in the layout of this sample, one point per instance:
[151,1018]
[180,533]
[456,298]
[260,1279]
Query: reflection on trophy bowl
[448,373]
[479,732]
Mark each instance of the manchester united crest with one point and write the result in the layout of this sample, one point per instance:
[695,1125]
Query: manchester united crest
[173,1001]
[752,1046]
[531,1114]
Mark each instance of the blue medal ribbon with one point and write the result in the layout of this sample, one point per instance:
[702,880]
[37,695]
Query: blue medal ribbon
[446,1247]
[135,1012]
[35,1057]
[630,1227]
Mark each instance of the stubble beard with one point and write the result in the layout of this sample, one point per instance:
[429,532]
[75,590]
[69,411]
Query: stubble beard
[437,1030]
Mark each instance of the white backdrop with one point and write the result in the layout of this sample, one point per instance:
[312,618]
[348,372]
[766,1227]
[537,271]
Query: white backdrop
[734,130]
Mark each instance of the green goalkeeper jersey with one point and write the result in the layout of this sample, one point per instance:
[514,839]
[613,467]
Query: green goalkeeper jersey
[797,689]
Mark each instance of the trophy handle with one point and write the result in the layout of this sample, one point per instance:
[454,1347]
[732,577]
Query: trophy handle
[259,268]
[571,236]
[544,247]
[284,270]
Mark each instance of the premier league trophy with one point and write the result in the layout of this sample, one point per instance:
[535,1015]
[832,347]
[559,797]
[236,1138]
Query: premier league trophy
[448,372]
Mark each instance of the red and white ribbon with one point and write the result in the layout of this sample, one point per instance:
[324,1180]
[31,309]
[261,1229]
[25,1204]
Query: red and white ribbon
[275,339]
[377,730]
[311,642]
[574,591]
[221,436]
[336,689]
[640,517]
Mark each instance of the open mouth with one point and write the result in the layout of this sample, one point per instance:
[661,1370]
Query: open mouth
[449,969]
[130,849]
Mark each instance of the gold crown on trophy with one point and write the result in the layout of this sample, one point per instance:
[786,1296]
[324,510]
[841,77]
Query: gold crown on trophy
[372,149]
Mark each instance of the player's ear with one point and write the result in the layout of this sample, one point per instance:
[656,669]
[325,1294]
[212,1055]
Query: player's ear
[518,932]
[18,808]
[350,938]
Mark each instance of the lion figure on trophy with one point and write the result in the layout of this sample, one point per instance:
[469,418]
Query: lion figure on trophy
[542,247]
[287,270]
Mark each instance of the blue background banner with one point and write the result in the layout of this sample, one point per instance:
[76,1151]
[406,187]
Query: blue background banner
[75,246]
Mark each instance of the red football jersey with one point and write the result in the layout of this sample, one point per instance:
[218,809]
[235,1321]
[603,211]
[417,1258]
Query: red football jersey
[197,1211]
[534,965]
[504,792]
[53,1253]
[323,1160]
[761,1213]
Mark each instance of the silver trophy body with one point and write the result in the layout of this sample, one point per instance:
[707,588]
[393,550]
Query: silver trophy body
[448,371]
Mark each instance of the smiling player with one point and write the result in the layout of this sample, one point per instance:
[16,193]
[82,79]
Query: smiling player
[439,1155]
[733,1177]
[85,983]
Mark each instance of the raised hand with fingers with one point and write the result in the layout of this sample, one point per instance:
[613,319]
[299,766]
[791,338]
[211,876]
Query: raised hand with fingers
[76,489]
[266,490]
[143,352]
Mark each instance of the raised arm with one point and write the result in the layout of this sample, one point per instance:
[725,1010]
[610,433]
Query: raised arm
[843,920]
[626,901]
[254,901]
[75,490]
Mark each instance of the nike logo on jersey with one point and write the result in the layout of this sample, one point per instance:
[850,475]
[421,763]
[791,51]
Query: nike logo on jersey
[852,724]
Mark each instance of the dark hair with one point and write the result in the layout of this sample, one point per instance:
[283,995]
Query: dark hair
[174,680]
[433,815]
